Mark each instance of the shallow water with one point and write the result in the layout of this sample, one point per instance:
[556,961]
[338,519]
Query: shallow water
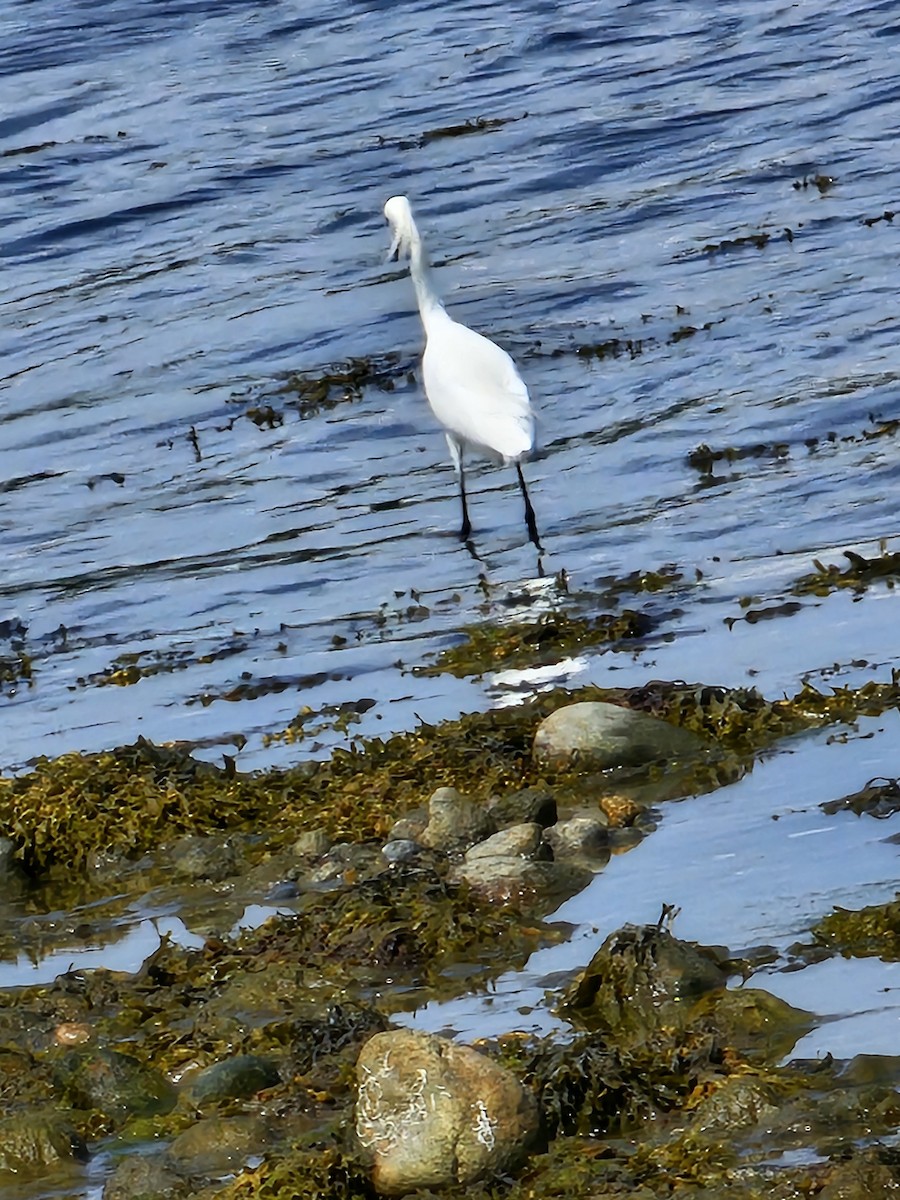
[191,211]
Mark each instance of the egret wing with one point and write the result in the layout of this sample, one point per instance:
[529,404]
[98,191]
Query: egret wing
[476,392]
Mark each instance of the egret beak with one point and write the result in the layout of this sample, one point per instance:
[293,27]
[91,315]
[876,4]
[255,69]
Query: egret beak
[394,252]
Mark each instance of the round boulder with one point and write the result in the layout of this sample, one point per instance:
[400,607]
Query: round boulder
[607,735]
[431,1113]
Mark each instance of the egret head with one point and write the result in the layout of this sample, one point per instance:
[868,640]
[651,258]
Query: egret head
[403,228]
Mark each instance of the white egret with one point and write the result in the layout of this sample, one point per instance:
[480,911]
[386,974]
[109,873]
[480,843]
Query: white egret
[472,385]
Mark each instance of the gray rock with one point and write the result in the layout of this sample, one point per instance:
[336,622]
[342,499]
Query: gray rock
[504,877]
[401,850]
[526,805]
[514,863]
[284,889]
[454,821]
[519,841]
[606,735]
[580,837]
[431,1113]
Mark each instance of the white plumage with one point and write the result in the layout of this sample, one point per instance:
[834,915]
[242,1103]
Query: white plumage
[472,385]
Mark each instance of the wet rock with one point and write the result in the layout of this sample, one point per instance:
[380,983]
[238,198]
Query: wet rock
[31,1142]
[872,1068]
[114,1084]
[527,805]
[401,850]
[518,841]
[516,862]
[431,1113]
[285,889]
[454,821]
[231,1079]
[345,861]
[739,1102]
[642,979]
[758,1023]
[72,1033]
[314,843]
[216,1145]
[212,857]
[606,735]
[579,837]
[870,1173]
[144,1177]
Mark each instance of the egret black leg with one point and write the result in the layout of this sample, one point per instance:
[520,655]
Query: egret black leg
[466,523]
[529,511]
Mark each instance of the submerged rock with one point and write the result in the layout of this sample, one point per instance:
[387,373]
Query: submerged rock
[431,1113]
[607,735]
[212,857]
[30,1142]
[215,1145]
[141,1177]
[115,1084]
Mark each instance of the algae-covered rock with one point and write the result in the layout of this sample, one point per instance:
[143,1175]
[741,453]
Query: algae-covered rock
[32,1141]
[114,1084]
[641,979]
[431,1113]
[868,1175]
[215,1145]
[756,1022]
[739,1101]
[144,1177]
[212,857]
[862,933]
[606,735]
[231,1078]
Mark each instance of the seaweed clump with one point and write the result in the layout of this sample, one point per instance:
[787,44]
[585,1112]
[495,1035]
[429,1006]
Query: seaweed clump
[340,384]
[304,1173]
[15,662]
[532,643]
[127,801]
[879,798]
[871,932]
[858,576]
